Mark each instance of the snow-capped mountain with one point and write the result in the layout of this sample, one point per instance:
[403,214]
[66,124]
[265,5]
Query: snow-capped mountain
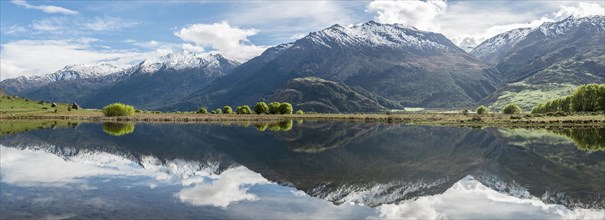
[488,49]
[406,66]
[150,82]
[498,47]
[183,61]
[70,72]
[373,34]
[547,61]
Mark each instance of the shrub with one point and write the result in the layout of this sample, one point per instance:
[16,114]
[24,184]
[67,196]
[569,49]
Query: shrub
[299,112]
[482,110]
[202,110]
[227,110]
[245,109]
[511,109]
[285,108]
[218,111]
[274,107]
[138,111]
[465,112]
[261,107]
[238,110]
[118,109]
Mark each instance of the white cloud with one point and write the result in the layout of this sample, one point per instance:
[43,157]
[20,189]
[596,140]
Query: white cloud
[469,198]
[581,9]
[108,24]
[14,30]
[282,19]
[51,9]
[77,26]
[227,40]
[229,187]
[420,14]
[39,168]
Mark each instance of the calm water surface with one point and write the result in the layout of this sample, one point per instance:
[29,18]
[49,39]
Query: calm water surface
[299,170]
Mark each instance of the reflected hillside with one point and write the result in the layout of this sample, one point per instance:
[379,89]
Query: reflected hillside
[371,164]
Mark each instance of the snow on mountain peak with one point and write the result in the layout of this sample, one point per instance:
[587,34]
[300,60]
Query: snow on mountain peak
[552,29]
[489,48]
[373,34]
[180,61]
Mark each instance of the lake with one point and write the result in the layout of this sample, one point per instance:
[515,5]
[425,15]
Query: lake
[296,169]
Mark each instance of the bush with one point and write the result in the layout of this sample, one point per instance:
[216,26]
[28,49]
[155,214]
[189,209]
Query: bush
[261,107]
[274,107]
[118,109]
[511,109]
[299,112]
[218,111]
[238,110]
[138,111]
[245,110]
[227,110]
[285,108]
[202,110]
[482,110]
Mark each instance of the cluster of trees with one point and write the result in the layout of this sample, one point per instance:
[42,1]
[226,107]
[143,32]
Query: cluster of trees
[586,98]
[259,108]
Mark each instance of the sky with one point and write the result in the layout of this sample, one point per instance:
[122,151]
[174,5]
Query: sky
[41,37]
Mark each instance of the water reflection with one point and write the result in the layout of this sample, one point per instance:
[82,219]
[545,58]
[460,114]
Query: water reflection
[334,170]
[118,129]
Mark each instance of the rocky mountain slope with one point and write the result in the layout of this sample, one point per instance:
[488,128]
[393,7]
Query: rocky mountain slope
[546,62]
[404,65]
[150,84]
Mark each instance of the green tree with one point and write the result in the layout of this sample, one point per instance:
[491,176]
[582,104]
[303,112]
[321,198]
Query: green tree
[227,110]
[218,111]
[274,107]
[285,108]
[299,112]
[238,110]
[511,109]
[245,109]
[482,110]
[118,109]
[261,108]
[202,110]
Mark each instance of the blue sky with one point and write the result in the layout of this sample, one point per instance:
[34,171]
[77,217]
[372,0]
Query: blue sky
[40,37]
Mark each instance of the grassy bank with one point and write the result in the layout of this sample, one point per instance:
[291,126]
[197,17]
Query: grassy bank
[12,108]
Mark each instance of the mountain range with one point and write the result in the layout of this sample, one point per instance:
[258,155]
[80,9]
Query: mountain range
[368,67]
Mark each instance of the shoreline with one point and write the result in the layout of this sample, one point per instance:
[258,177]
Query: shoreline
[434,119]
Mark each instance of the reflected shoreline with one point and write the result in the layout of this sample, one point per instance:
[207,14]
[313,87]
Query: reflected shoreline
[374,164]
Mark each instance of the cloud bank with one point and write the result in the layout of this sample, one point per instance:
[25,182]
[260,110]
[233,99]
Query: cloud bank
[229,41]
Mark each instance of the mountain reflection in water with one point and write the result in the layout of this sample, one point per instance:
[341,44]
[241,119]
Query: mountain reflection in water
[301,170]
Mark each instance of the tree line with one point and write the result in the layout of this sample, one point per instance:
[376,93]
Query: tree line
[259,108]
[586,98]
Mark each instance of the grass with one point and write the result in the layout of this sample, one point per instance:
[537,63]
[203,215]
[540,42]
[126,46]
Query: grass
[12,108]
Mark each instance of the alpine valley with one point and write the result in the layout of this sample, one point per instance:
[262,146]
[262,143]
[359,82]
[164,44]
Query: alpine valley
[369,67]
